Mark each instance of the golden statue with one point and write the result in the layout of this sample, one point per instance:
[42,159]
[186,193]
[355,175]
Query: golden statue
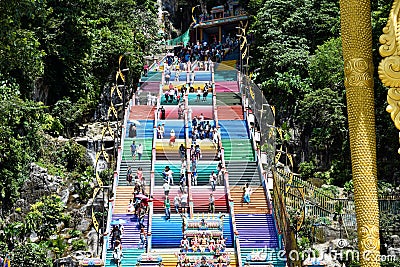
[389,68]
[357,54]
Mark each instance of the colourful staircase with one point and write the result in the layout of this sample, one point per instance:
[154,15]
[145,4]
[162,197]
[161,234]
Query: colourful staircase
[248,228]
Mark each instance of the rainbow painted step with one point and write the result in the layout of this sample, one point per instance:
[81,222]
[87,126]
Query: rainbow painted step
[230,112]
[141,113]
[225,75]
[226,87]
[229,99]
[147,147]
[238,149]
[242,172]
[256,231]
[130,237]
[129,259]
[233,129]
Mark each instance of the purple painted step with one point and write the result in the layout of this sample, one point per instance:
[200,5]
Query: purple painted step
[256,231]
[130,238]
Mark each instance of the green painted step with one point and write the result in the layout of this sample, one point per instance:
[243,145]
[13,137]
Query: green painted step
[228,99]
[204,171]
[238,149]
[225,75]
[146,167]
[147,143]
[129,259]
[242,172]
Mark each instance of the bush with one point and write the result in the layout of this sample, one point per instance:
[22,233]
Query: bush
[74,233]
[307,170]
[79,244]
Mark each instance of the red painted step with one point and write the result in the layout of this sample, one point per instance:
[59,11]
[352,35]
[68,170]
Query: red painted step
[159,197]
[230,113]
[201,195]
[142,113]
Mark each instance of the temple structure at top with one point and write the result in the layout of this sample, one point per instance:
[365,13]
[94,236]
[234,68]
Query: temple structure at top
[218,23]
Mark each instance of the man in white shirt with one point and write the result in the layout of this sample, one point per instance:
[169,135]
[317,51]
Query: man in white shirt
[166,189]
[184,199]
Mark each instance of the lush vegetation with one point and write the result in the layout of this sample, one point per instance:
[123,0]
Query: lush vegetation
[301,72]
[57,58]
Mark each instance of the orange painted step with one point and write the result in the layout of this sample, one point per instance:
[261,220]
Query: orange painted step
[230,113]
[258,203]
[122,197]
[142,113]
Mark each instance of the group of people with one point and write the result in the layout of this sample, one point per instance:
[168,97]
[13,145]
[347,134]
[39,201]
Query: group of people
[136,150]
[137,179]
[161,132]
[180,202]
[202,243]
[218,261]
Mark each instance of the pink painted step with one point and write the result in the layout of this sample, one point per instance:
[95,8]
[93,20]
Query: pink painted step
[223,87]
[230,113]
[142,113]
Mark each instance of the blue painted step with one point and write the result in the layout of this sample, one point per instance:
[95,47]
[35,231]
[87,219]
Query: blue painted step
[145,129]
[256,231]
[166,234]
[177,125]
[130,238]
[233,129]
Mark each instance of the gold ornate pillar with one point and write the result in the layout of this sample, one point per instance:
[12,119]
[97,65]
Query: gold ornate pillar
[357,53]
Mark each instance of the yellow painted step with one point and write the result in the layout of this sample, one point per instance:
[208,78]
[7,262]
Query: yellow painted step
[169,260]
[258,203]
[122,197]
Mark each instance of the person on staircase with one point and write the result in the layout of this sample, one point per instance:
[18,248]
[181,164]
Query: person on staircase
[182,152]
[172,138]
[199,92]
[184,244]
[166,189]
[177,203]
[184,201]
[247,191]
[129,175]
[140,151]
[117,253]
[162,130]
[142,236]
[205,93]
[167,207]
[133,150]
[139,174]
[213,180]
[211,205]
[162,110]
[132,131]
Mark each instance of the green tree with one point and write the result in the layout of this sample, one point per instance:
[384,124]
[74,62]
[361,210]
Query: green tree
[45,215]
[21,137]
[30,254]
